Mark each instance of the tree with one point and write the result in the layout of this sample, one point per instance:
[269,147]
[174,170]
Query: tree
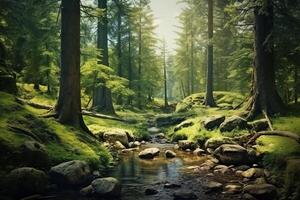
[265,97]
[165,74]
[68,107]
[102,100]
[209,100]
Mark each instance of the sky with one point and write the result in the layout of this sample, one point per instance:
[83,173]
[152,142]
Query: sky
[166,12]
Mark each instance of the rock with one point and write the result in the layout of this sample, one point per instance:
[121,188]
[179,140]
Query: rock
[183,125]
[261,191]
[213,122]
[247,196]
[106,187]
[231,154]
[222,169]
[176,146]
[260,180]
[160,136]
[185,144]
[153,130]
[253,155]
[184,195]
[170,154]
[198,152]
[234,122]
[171,185]
[72,173]
[239,173]
[119,146]
[151,191]
[259,125]
[253,173]
[31,151]
[242,167]
[214,143]
[143,142]
[232,188]
[130,136]
[149,153]
[167,120]
[213,186]
[116,135]
[26,181]
[87,191]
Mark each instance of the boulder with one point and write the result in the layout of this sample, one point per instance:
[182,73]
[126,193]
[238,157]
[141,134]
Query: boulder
[106,187]
[259,125]
[183,124]
[253,173]
[198,152]
[31,151]
[72,173]
[186,144]
[213,122]
[119,146]
[26,181]
[149,153]
[214,143]
[261,191]
[231,154]
[116,135]
[170,154]
[168,120]
[184,195]
[153,130]
[234,122]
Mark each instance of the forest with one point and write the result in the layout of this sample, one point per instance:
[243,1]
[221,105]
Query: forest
[149,99]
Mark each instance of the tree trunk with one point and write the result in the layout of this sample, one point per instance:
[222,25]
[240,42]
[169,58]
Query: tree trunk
[119,45]
[68,107]
[165,75]
[129,64]
[209,100]
[296,84]
[139,103]
[102,100]
[192,59]
[265,97]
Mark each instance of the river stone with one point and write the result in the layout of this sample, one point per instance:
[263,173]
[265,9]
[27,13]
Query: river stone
[170,154]
[234,122]
[151,191]
[229,154]
[232,188]
[183,124]
[153,130]
[72,173]
[198,152]
[149,153]
[261,191]
[214,143]
[186,144]
[160,136]
[26,181]
[184,195]
[171,185]
[213,122]
[134,144]
[116,135]
[119,146]
[259,125]
[222,169]
[106,187]
[213,186]
[253,173]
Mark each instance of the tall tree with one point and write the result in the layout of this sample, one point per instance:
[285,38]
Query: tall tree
[265,97]
[209,100]
[165,74]
[68,108]
[102,97]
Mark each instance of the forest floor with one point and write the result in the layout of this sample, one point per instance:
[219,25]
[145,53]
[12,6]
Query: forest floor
[20,123]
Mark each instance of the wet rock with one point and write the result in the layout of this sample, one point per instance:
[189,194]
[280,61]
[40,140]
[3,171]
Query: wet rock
[259,125]
[26,181]
[72,173]
[31,151]
[242,167]
[151,191]
[106,187]
[260,180]
[234,122]
[160,136]
[171,185]
[87,191]
[134,144]
[143,142]
[214,143]
[129,150]
[185,144]
[213,122]
[261,191]
[198,152]
[253,173]
[231,154]
[176,146]
[222,169]
[182,125]
[116,135]
[170,154]
[153,130]
[184,195]
[119,146]
[232,189]
[213,186]
[239,173]
[149,153]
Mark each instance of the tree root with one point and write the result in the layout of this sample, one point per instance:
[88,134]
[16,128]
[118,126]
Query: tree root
[291,135]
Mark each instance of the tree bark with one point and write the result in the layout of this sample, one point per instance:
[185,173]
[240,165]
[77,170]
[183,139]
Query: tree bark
[209,100]
[68,107]
[265,97]
[119,44]
[139,103]
[129,64]
[102,100]
[296,84]
[165,74]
